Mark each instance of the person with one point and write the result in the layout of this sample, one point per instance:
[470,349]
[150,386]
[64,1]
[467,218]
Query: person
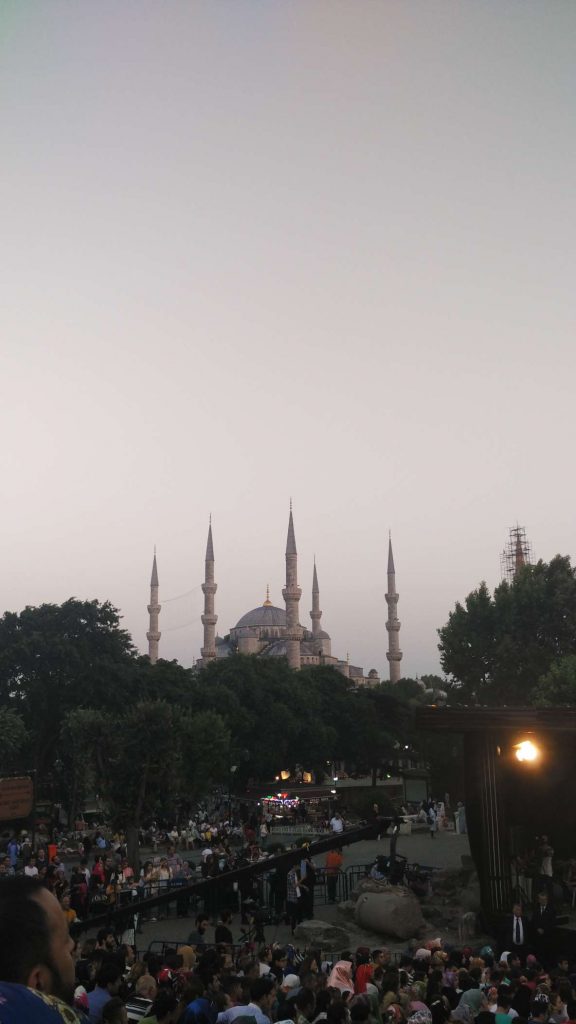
[515,932]
[293,898]
[198,937]
[539,1009]
[115,1012]
[336,823]
[543,924]
[108,981]
[432,821]
[222,932]
[546,870]
[163,1009]
[35,943]
[333,868]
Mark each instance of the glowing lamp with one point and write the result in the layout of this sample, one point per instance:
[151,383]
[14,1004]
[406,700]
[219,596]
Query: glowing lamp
[284,775]
[526,751]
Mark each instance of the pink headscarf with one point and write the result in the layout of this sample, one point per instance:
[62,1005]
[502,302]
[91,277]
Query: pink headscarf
[341,976]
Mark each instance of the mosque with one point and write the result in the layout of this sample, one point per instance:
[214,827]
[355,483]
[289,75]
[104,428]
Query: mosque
[268,631]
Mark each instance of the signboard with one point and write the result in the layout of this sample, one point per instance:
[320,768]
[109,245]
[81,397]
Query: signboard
[16,798]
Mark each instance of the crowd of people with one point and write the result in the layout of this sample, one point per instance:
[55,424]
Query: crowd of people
[46,976]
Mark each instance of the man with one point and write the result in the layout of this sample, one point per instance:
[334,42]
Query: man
[35,944]
[539,1009]
[108,981]
[31,869]
[543,924]
[333,868]
[222,932]
[13,851]
[198,937]
[515,932]
[336,823]
[262,995]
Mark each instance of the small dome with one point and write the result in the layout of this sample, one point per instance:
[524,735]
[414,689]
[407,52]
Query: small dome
[322,635]
[372,674]
[265,615]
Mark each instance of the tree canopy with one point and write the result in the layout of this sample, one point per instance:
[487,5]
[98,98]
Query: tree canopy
[496,648]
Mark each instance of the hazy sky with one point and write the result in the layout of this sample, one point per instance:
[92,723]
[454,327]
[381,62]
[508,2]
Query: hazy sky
[254,249]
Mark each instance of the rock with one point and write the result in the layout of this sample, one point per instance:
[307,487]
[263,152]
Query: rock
[395,912]
[322,935]
[347,909]
[369,885]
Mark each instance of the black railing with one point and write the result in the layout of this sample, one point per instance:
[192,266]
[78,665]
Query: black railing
[225,890]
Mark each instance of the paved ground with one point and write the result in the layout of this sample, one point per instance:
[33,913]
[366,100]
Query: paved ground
[445,850]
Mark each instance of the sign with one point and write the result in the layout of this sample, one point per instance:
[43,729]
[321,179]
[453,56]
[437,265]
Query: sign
[16,798]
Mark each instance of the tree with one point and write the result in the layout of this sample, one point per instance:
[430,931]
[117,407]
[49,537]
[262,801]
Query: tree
[148,759]
[14,739]
[497,648]
[557,688]
[55,658]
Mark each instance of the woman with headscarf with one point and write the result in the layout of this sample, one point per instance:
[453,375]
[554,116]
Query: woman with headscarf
[341,977]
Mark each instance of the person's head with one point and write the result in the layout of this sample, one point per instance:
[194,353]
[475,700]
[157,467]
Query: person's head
[305,1002]
[164,1007]
[35,943]
[202,923]
[279,957]
[262,992]
[226,916]
[146,987]
[517,910]
[504,998]
[109,977]
[381,957]
[359,1009]
[543,898]
[114,1012]
[540,1007]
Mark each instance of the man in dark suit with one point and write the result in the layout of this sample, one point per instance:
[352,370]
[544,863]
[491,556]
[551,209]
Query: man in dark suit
[515,933]
[543,924]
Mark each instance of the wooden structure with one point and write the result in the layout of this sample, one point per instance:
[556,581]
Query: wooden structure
[503,795]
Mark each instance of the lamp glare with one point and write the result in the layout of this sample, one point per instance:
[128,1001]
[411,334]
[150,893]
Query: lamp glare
[527,751]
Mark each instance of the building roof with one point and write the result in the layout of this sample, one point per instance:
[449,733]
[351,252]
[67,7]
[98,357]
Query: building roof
[265,615]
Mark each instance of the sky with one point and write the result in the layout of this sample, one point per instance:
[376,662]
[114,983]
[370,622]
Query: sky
[254,250]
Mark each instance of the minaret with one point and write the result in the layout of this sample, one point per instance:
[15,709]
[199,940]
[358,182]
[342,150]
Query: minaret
[153,635]
[209,619]
[394,654]
[291,594]
[315,614]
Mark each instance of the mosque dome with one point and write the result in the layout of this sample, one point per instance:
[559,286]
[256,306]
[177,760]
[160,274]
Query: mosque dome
[265,615]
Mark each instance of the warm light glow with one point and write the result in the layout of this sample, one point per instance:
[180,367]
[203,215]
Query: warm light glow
[527,751]
[284,775]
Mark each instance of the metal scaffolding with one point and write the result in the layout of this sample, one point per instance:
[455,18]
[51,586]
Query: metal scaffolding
[516,554]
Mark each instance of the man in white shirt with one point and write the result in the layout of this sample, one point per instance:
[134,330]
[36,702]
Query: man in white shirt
[31,869]
[336,823]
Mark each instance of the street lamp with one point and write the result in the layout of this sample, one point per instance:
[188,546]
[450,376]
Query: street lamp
[526,751]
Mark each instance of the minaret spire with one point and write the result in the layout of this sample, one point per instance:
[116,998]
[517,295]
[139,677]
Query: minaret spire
[153,635]
[394,654]
[315,614]
[209,588]
[291,594]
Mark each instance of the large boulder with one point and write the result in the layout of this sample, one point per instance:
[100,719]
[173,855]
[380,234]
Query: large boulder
[396,913]
[322,935]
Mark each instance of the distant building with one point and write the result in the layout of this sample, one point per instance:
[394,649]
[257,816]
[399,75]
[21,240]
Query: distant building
[269,631]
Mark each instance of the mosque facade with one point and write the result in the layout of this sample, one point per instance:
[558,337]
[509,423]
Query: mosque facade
[269,631]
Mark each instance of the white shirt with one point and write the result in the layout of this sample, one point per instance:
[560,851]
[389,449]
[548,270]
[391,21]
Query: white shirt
[337,825]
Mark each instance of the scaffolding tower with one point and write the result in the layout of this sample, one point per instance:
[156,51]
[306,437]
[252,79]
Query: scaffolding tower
[516,554]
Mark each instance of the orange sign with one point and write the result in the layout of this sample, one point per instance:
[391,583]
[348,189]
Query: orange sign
[16,798]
